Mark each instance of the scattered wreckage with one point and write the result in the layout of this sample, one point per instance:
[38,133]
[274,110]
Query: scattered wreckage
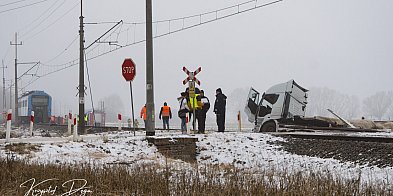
[284,106]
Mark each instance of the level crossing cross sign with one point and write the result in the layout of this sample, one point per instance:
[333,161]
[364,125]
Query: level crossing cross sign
[191,75]
[128,69]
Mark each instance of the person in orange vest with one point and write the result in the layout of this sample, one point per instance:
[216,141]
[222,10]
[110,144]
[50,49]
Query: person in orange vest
[166,114]
[143,114]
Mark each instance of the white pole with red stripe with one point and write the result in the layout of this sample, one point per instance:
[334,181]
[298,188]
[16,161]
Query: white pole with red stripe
[69,122]
[75,138]
[31,123]
[8,131]
[119,118]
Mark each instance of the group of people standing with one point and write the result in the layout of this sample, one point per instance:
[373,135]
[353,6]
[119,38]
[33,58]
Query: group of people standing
[199,104]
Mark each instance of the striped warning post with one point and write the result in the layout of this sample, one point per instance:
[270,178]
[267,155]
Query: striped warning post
[8,131]
[31,123]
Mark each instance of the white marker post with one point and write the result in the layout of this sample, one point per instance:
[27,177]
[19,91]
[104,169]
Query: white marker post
[31,123]
[69,121]
[119,118]
[8,132]
[75,130]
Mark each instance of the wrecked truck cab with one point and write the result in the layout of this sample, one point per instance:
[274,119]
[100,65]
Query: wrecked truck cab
[279,103]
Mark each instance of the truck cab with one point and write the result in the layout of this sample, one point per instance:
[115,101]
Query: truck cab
[281,102]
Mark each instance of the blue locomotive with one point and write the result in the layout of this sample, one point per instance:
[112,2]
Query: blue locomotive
[37,101]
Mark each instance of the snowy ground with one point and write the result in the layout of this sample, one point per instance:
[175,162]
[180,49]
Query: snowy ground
[245,150]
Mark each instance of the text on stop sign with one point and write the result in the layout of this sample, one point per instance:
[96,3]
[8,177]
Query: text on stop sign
[128,70]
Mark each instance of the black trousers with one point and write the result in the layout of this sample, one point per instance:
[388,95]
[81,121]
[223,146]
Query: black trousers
[201,117]
[220,122]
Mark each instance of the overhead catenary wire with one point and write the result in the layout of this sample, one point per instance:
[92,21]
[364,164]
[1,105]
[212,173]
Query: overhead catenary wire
[7,51]
[54,22]
[192,26]
[42,21]
[34,78]
[105,40]
[63,51]
[183,28]
[2,5]
[23,6]
[104,34]
[171,31]
[39,17]
[37,63]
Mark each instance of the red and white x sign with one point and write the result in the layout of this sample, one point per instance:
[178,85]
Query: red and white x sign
[191,75]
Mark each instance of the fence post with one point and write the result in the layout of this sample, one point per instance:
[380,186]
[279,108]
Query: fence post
[31,123]
[75,138]
[8,132]
[119,118]
[69,121]
[239,120]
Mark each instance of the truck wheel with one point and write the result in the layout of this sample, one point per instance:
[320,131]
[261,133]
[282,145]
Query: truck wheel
[268,127]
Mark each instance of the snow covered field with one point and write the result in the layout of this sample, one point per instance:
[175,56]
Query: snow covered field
[246,150]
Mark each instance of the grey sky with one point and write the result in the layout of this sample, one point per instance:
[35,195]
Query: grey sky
[343,45]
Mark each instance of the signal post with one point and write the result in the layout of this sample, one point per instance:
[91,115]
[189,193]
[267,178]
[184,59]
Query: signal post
[191,79]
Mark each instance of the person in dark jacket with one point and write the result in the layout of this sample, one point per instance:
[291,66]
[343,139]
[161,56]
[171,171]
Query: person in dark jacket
[201,114]
[219,109]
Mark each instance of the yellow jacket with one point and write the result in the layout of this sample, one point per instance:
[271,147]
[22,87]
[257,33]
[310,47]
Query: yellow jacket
[195,103]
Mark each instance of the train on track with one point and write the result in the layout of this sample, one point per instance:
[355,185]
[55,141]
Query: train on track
[37,101]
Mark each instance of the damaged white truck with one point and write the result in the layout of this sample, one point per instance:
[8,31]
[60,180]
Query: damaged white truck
[280,103]
[284,106]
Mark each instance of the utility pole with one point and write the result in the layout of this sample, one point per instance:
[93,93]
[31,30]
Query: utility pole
[81,123]
[16,44]
[150,124]
[4,100]
[11,95]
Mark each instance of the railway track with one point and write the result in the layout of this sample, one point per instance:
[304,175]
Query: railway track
[313,129]
[329,136]
[90,129]
[333,133]
[298,132]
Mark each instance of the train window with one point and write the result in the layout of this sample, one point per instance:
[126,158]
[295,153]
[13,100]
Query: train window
[39,100]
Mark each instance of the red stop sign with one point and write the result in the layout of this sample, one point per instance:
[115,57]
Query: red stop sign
[128,69]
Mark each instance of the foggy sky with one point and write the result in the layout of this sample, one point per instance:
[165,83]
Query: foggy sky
[343,45]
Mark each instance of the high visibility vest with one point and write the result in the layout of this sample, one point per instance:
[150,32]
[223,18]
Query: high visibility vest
[143,113]
[86,118]
[194,103]
[165,110]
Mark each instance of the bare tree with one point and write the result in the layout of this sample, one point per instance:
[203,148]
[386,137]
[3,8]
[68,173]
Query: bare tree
[321,99]
[390,109]
[236,102]
[113,106]
[377,104]
[352,107]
